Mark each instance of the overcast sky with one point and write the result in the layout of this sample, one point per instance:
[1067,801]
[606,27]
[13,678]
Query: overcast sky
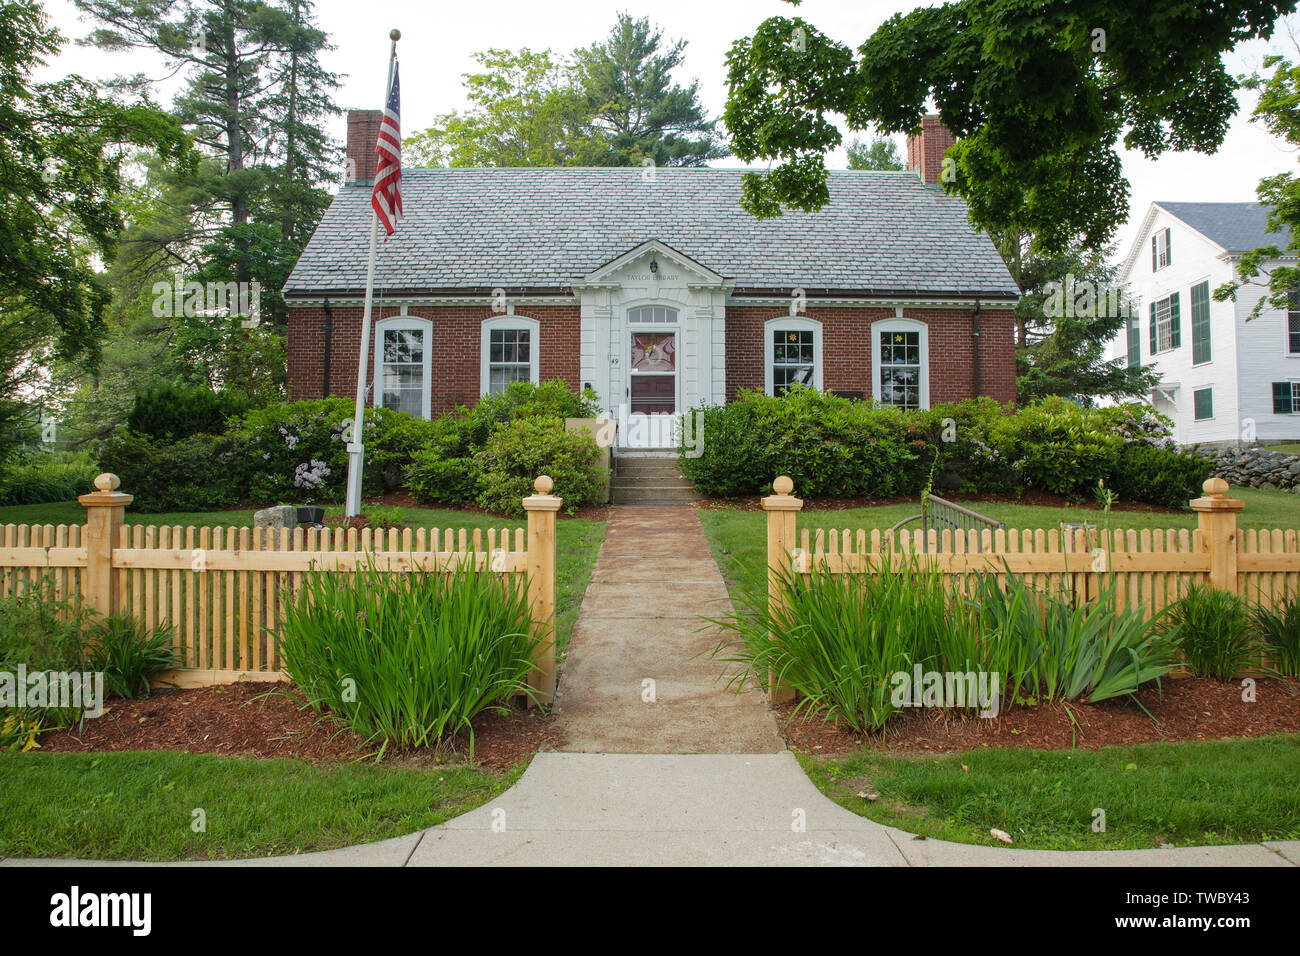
[438,39]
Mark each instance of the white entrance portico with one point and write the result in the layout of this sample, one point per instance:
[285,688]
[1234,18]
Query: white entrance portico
[653,332]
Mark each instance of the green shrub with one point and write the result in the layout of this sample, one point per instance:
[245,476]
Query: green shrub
[1055,647]
[39,477]
[834,447]
[551,399]
[1213,629]
[198,473]
[392,444]
[960,436]
[838,639]
[128,655]
[518,451]
[1058,447]
[1278,629]
[1159,476]
[435,478]
[173,412]
[408,659]
[41,632]
[828,445]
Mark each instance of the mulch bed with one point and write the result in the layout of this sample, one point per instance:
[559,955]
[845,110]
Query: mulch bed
[253,719]
[1040,499]
[1186,708]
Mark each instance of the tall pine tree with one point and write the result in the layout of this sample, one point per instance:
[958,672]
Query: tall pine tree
[627,79]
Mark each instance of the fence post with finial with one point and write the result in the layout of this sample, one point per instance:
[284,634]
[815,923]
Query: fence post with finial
[104,517]
[781,508]
[1217,520]
[541,509]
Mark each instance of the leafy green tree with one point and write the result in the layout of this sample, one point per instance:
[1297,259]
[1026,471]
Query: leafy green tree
[255,98]
[627,79]
[880,153]
[1279,110]
[1038,93]
[63,158]
[1069,312]
[525,111]
[64,185]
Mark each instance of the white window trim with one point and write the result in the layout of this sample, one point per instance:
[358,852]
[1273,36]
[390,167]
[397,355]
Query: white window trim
[404,321]
[900,324]
[510,321]
[791,323]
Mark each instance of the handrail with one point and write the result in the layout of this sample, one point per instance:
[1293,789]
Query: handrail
[939,513]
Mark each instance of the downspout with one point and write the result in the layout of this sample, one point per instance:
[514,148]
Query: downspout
[325,363]
[975,343]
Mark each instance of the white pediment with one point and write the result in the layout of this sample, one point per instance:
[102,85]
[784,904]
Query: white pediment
[653,261]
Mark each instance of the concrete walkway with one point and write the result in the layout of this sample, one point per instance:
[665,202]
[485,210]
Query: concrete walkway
[639,676]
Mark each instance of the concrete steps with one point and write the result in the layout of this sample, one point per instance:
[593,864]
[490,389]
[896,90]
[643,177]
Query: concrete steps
[645,480]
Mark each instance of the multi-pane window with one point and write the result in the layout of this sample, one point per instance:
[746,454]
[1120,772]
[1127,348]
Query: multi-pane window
[402,377]
[1286,398]
[793,359]
[1200,323]
[900,369]
[509,357]
[1203,404]
[1293,324]
[1160,252]
[649,313]
[1165,326]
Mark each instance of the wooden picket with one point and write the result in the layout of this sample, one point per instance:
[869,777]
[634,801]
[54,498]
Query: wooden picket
[1149,569]
[223,592]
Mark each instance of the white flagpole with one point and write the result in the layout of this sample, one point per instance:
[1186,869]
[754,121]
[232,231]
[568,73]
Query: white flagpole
[356,447]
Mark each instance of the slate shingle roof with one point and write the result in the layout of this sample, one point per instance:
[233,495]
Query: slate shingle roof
[463,229]
[1236,226]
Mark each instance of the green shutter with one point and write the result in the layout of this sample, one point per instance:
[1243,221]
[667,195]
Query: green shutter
[1134,325]
[1169,248]
[1282,398]
[1175,324]
[1203,404]
[1201,323]
[1154,340]
[1155,262]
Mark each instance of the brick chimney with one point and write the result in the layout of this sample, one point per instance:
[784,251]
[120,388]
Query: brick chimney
[363,137]
[925,149]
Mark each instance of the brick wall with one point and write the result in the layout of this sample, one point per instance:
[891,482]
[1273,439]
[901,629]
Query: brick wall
[925,150]
[457,350]
[363,137]
[846,349]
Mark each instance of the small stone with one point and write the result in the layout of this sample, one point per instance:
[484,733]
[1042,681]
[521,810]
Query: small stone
[1002,835]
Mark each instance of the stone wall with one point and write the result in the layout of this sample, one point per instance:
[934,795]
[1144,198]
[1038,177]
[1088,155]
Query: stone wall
[1258,468]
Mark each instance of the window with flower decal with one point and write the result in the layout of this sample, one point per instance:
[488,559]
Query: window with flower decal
[792,350]
[900,363]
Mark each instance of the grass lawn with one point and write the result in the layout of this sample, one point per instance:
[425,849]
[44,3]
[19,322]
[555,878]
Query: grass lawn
[1184,794]
[1290,448]
[140,805]
[739,538]
[577,539]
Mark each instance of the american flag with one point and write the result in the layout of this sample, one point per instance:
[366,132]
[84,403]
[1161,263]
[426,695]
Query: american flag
[387,197]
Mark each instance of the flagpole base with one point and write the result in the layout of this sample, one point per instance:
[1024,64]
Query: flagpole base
[356,462]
